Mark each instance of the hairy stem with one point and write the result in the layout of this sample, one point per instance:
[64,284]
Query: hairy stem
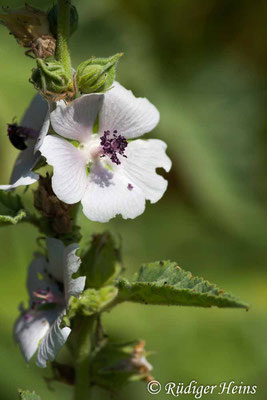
[82,362]
[62,48]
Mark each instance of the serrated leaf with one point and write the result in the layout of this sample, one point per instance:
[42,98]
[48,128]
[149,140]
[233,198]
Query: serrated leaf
[27,395]
[102,262]
[11,209]
[165,283]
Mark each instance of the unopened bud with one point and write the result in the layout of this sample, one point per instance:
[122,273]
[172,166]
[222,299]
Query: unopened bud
[53,17]
[97,74]
[51,79]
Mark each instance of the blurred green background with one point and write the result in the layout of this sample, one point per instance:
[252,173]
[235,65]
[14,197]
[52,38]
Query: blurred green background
[203,64]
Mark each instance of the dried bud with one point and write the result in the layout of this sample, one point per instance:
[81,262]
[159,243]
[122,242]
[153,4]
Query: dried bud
[44,46]
[136,364]
[57,212]
[97,74]
[53,16]
[30,27]
[51,80]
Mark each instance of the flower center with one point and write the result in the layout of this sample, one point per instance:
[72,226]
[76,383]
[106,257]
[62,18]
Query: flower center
[46,296]
[112,145]
[19,134]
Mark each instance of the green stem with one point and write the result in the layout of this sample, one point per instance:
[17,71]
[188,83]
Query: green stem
[62,48]
[75,212]
[82,362]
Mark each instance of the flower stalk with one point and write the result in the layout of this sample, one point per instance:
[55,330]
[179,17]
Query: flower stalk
[63,33]
[82,363]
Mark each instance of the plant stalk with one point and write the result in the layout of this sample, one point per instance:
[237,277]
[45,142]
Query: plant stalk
[63,32]
[82,362]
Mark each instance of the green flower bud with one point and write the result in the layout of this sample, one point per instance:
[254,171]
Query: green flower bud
[53,15]
[51,79]
[97,74]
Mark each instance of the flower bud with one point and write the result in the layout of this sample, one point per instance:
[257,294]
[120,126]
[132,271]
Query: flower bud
[30,27]
[113,366]
[51,79]
[53,15]
[97,74]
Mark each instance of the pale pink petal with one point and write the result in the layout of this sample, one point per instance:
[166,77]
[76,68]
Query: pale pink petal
[125,189]
[54,339]
[72,287]
[76,121]
[55,250]
[69,179]
[107,195]
[143,157]
[129,115]
[35,114]
[29,330]
[22,173]
[43,131]
[36,117]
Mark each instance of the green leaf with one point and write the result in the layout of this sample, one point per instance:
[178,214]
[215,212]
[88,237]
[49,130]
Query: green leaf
[102,262]
[11,209]
[165,283]
[91,301]
[27,395]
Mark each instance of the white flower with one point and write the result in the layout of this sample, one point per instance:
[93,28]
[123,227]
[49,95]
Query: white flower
[50,285]
[106,173]
[34,126]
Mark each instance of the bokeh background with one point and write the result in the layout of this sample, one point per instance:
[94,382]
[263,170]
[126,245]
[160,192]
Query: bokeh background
[203,64]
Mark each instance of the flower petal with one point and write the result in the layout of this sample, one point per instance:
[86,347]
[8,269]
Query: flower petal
[36,113]
[36,117]
[125,190]
[107,195]
[36,271]
[130,116]
[56,251]
[69,179]
[54,339]
[73,287]
[76,120]
[22,173]
[29,332]
[143,157]
[43,132]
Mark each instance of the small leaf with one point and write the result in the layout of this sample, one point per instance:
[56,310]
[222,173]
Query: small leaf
[27,395]
[165,283]
[102,262]
[11,209]
[90,302]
